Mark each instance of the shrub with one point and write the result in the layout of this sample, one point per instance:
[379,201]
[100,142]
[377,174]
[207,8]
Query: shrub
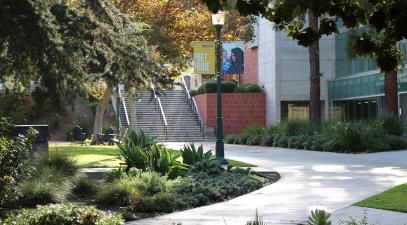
[63,214]
[119,193]
[267,140]
[17,106]
[295,127]
[83,186]
[48,187]
[149,183]
[254,140]
[211,87]
[191,155]
[207,166]
[51,181]
[57,161]
[230,138]
[248,88]
[162,202]
[13,166]
[396,142]
[392,125]
[193,92]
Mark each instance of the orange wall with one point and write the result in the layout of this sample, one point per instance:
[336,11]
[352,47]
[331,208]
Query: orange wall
[251,68]
[239,110]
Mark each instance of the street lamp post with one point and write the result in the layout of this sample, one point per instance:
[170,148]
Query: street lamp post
[218,20]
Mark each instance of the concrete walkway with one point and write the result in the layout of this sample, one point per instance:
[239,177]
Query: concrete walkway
[309,180]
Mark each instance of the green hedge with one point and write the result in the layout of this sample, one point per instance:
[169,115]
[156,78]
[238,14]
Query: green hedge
[56,214]
[248,88]
[227,87]
[382,134]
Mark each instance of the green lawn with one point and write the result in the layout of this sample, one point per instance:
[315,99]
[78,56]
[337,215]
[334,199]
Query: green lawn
[393,199]
[96,156]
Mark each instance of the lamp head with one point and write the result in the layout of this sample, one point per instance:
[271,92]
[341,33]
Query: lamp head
[218,18]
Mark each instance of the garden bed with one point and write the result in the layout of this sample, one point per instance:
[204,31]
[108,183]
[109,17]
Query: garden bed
[382,134]
[154,180]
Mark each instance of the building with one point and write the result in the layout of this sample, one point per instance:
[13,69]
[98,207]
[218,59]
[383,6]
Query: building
[351,88]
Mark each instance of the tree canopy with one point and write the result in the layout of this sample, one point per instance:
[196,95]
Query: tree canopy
[65,46]
[174,24]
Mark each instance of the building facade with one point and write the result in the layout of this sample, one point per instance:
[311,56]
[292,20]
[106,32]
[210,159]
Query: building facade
[351,88]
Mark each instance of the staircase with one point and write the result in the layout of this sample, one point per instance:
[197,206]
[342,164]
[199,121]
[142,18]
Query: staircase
[183,124]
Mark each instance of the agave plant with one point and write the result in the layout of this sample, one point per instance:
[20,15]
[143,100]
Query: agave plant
[319,217]
[133,150]
[166,162]
[191,155]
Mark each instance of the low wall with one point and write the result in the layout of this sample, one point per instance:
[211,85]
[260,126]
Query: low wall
[239,110]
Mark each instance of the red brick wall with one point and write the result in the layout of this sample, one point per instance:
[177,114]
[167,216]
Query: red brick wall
[250,66]
[239,110]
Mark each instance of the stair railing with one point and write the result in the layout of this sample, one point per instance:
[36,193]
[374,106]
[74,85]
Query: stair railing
[162,114]
[124,106]
[193,106]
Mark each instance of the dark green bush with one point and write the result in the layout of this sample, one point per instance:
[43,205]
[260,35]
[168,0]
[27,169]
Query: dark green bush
[63,214]
[392,125]
[267,140]
[295,127]
[17,106]
[119,193]
[248,88]
[150,183]
[396,142]
[230,138]
[211,87]
[254,140]
[282,141]
[207,166]
[193,92]
[50,182]
[13,163]
[84,187]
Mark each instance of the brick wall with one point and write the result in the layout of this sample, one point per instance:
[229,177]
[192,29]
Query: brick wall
[239,110]
[251,66]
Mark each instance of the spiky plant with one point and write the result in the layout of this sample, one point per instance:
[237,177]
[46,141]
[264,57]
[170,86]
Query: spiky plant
[319,217]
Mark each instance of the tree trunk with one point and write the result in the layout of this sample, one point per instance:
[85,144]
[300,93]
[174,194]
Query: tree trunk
[315,89]
[390,93]
[133,111]
[100,112]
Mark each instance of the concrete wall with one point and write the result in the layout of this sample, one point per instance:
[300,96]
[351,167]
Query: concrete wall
[284,68]
[239,110]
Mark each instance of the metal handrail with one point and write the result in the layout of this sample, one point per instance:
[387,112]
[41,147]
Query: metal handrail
[124,107]
[162,114]
[193,105]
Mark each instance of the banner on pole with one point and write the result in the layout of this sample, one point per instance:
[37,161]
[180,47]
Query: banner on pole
[204,57]
[233,57]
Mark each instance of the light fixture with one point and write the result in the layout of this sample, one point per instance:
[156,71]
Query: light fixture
[218,18]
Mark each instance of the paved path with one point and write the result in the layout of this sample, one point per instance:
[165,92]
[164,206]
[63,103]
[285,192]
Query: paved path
[309,180]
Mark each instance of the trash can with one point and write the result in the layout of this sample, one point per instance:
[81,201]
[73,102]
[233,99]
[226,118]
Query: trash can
[41,140]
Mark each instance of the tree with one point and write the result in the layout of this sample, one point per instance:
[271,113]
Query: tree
[290,16]
[68,46]
[174,24]
[379,39]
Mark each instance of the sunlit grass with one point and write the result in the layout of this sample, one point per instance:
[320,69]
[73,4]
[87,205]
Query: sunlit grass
[98,156]
[394,199]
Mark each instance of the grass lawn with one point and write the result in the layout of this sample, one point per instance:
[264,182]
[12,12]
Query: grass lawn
[393,199]
[97,156]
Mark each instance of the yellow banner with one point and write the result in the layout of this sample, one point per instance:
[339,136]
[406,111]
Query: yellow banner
[204,57]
